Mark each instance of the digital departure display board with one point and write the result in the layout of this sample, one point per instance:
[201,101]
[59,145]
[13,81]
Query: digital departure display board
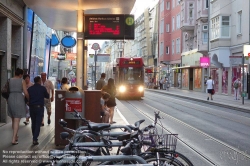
[131,62]
[109,26]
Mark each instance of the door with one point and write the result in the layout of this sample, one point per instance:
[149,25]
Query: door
[191,79]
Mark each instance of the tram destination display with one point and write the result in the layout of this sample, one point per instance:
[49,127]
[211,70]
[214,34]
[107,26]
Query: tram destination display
[109,26]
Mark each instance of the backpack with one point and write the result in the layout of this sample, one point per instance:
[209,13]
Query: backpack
[236,84]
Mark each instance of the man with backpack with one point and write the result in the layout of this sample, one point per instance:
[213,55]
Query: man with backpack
[236,86]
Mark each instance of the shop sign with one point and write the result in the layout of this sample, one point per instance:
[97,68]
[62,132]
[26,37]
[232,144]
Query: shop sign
[204,62]
[71,56]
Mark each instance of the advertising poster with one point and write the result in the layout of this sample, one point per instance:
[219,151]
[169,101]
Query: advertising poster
[46,55]
[30,20]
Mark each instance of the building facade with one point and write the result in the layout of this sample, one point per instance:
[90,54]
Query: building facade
[194,26]
[170,37]
[229,31]
[12,28]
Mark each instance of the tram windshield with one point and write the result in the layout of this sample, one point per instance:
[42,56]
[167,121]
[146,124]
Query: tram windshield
[131,75]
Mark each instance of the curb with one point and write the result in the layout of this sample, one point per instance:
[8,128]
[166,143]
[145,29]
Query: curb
[238,108]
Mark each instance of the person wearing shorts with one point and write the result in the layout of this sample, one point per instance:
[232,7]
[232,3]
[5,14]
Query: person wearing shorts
[47,102]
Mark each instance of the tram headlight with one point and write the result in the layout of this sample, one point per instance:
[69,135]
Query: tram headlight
[140,88]
[122,88]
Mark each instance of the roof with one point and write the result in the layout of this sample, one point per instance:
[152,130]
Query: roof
[62,14]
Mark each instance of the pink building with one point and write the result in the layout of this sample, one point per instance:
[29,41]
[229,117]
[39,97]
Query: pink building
[170,37]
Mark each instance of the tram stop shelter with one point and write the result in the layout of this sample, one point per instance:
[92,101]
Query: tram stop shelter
[68,15]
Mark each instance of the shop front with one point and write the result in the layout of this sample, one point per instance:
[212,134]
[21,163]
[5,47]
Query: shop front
[192,73]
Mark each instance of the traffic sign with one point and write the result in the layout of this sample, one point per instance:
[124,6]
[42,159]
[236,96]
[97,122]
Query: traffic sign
[95,46]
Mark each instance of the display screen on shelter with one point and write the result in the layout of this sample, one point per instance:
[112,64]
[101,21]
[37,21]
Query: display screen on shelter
[103,26]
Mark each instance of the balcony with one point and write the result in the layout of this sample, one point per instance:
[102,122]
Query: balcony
[188,25]
[203,48]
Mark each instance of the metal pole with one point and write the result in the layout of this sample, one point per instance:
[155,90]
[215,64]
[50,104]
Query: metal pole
[242,90]
[95,70]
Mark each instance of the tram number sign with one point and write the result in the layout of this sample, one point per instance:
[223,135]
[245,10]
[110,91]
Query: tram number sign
[109,26]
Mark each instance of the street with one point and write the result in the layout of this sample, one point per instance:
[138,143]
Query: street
[208,133]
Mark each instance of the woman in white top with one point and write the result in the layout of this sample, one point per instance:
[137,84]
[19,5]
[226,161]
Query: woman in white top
[65,85]
[210,85]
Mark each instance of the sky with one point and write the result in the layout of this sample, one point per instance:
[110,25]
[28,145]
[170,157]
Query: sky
[141,5]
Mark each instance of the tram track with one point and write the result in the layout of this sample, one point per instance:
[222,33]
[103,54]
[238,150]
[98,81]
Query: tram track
[201,154]
[201,109]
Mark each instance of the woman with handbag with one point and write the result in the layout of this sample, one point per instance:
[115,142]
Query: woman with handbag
[16,102]
[210,88]
[111,103]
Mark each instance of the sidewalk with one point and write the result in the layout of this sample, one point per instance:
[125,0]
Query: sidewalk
[218,99]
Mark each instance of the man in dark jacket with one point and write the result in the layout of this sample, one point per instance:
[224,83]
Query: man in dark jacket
[37,93]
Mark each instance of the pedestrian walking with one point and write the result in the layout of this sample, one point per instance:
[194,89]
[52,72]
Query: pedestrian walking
[73,81]
[37,94]
[58,85]
[111,103]
[161,83]
[65,85]
[167,83]
[16,102]
[26,78]
[237,85]
[101,82]
[210,87]
[47,102]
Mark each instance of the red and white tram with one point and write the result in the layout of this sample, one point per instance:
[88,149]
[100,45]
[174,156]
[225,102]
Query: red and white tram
[129,77]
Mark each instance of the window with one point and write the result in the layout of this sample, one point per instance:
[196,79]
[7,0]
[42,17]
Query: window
[173,24]
[239,22]
[178,45]
[167,50]
[178,21]
[173,3]
[167,27]
[220,27]
[206,4]
[172,47]
[205,27]
[162,6]
[161,49]
[225,21]
[215,28]
[162,26]
[204,37]
[168,6]
[191,10]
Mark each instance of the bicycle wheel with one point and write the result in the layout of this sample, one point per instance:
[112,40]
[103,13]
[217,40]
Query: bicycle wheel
[168,160]
[183,159]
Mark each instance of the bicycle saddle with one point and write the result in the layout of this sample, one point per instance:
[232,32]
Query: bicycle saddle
[132,127]
[98,126]
[64,135]
[62,122]
[137,124]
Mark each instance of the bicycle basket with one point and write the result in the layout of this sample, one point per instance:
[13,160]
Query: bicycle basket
[165,142]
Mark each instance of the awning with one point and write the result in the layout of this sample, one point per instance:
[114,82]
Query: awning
[185,67]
